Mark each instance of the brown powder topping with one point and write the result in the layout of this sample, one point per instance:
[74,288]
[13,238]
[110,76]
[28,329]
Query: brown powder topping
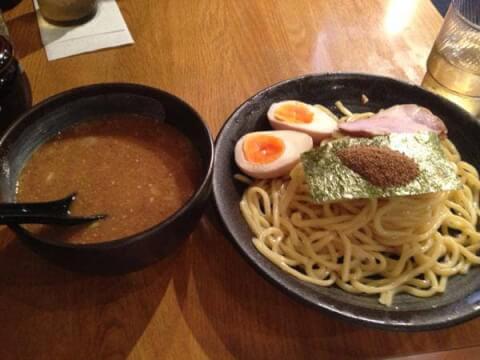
[381,166]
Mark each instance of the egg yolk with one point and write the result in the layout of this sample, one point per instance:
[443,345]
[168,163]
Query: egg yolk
[263,149]
[294,113]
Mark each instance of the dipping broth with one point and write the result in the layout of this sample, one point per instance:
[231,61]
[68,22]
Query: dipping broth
[137,170]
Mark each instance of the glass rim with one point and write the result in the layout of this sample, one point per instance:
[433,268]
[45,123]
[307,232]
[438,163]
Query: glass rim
[461,16]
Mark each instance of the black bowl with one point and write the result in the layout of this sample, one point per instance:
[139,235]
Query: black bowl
[460,302]
[44,121]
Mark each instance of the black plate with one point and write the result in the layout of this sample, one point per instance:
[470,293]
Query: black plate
[460,302]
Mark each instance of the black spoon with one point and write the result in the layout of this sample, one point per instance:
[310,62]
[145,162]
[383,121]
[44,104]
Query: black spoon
[52,212]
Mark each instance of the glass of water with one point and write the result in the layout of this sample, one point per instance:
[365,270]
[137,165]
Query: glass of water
[453,67]
[67,12]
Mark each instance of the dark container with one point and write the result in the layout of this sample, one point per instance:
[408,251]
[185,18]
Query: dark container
[46,119]
[15,97]
[8,4]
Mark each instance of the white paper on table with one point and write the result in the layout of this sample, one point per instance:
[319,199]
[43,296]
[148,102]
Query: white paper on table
[106,29]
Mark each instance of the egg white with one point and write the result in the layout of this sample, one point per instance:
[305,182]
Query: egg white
[321,127]
[295,144]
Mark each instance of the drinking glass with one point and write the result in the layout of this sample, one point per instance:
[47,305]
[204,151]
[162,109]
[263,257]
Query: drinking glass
[453,66]
[67,12]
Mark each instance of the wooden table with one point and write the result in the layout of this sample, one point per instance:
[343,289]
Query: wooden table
[206,301]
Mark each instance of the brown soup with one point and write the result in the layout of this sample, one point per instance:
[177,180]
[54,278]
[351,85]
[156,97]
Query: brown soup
[137,170]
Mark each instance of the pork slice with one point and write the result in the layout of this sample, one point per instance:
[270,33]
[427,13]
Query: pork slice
[408,118]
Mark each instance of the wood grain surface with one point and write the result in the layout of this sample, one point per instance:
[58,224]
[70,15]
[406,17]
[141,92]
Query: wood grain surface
[205,301]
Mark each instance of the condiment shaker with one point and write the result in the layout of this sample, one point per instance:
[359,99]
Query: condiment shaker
[15,94]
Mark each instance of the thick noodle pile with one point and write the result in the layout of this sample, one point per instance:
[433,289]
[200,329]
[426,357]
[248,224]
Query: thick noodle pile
[374,246]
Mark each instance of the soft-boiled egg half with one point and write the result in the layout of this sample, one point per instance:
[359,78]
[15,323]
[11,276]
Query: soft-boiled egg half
[270,154]
[299,116]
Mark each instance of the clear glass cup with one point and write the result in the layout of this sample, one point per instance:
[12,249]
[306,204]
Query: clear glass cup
[453,66]
[67,12]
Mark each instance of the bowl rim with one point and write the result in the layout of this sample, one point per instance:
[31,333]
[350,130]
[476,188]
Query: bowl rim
[120,87]
[323,306]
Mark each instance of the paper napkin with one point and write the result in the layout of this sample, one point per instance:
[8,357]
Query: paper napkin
[107,29]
